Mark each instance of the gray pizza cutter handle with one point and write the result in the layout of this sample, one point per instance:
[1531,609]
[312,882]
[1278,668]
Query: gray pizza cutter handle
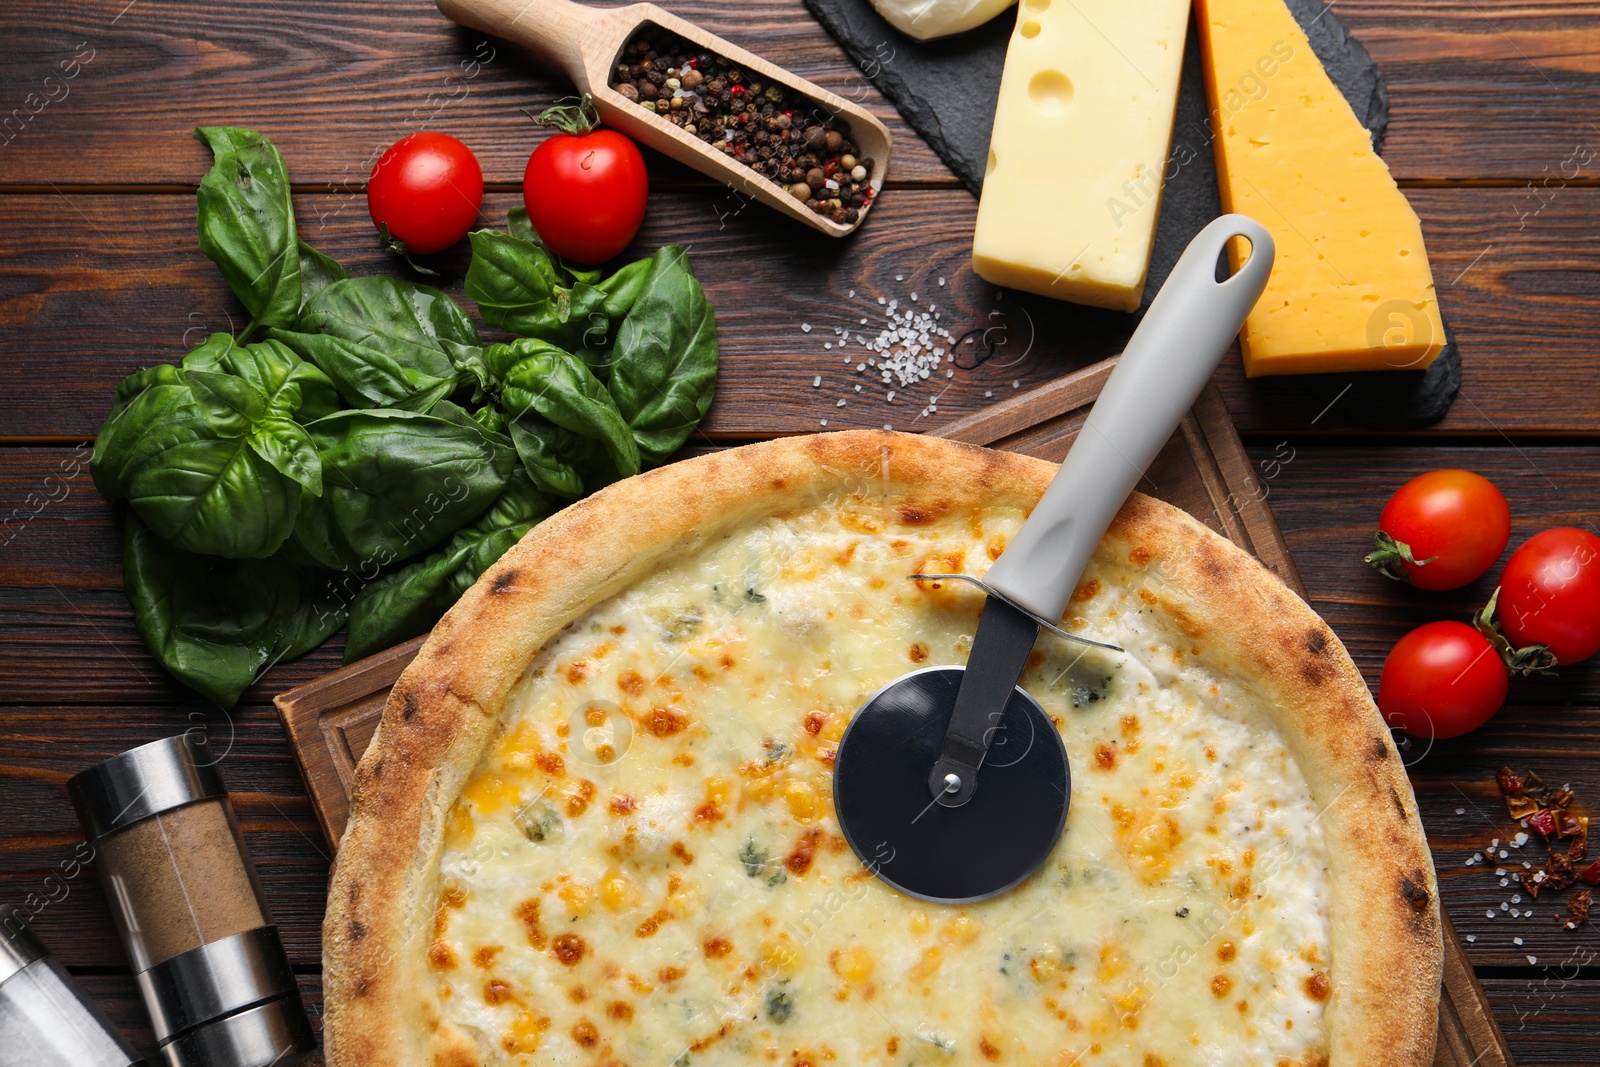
[1169,359]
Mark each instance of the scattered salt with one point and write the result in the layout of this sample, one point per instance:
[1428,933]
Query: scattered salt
[816,382]
[829,345]
[1461,811]
[941,279]
[805,327]
[840,404]
[1533,961]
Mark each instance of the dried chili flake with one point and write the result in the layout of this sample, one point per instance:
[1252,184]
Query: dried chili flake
[1577,909]
[1591,873]
[1561,798]
[1543,821]
[1509,781]
[1521,805]
[1568,825]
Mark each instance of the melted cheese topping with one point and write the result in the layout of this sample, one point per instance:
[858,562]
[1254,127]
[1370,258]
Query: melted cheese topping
[646,868]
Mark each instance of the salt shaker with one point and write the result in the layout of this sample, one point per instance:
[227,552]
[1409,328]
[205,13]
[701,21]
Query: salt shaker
[45,1020]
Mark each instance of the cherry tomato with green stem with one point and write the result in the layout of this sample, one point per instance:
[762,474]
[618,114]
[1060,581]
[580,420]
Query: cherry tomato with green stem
[1549,595]
[1441,530]
[585,188]
[424,193]
[1443,679]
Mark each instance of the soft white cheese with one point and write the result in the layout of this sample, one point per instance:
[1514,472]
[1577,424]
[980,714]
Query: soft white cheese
[691,901]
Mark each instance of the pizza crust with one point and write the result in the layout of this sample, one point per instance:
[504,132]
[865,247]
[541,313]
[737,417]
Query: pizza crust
[381,1003]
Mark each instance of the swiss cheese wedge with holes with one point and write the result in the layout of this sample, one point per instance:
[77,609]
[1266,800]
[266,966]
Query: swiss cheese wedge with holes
[595,826]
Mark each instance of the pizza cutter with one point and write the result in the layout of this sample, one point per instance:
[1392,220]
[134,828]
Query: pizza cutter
[951,784]
[585,42]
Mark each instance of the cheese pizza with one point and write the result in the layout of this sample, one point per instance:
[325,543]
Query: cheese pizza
[596,827]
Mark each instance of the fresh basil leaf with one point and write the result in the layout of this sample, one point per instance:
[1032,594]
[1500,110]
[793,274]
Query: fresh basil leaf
[407,602]
[247,224]
[624,287]
[228,404]
[536,376]
[520,226]
[286,445]
[385,342]
[542,446]
[178,449]
[292,386]
[664,366]
[512,281]
[317,272]
[215,624]
[492,419]
[145,404]
[398,483]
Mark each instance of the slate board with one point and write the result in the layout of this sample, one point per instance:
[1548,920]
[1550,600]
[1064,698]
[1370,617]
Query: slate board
[946,89]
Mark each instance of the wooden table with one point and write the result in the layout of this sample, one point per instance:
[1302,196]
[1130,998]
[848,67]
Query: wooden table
[1495,136]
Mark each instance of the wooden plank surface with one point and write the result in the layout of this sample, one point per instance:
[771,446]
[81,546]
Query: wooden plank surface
[1480,91]
[85,299]
[1496,110]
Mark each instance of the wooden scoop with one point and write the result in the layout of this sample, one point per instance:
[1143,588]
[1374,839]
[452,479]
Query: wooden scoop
[586,43]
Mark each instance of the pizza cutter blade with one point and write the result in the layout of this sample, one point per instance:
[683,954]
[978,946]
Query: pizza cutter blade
[952,784]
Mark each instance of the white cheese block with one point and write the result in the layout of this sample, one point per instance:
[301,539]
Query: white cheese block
[927,19]
[1079,149]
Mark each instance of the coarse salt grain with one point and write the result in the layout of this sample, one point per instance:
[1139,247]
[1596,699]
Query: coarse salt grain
[823,421]
[1461,811]
[805,327]
[840,404]
[887,426]
[899,277]
[829,345]
[1471,938]
[891,396]
[858,387]
[1489,914]
[941,279]
[1533,961]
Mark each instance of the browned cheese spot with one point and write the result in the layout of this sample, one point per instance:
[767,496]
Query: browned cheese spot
[570,948]
[528,913]
[664,722]
[798,861]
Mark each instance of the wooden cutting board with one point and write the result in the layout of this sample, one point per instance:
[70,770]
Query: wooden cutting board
[1203,470]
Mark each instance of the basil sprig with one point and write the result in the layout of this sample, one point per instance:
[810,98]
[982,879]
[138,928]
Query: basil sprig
[367,457]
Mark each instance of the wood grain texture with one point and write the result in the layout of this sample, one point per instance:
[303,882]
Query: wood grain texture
[1478,93]
[85,299]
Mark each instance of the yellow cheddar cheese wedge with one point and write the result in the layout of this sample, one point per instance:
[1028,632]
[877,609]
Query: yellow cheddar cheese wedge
[1079,148]
[1350,289]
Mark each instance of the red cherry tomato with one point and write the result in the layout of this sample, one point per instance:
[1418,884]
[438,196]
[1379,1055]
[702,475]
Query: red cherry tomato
[1452,524]
[1443,679]
[585,194]
[1550,594]
[426,189]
